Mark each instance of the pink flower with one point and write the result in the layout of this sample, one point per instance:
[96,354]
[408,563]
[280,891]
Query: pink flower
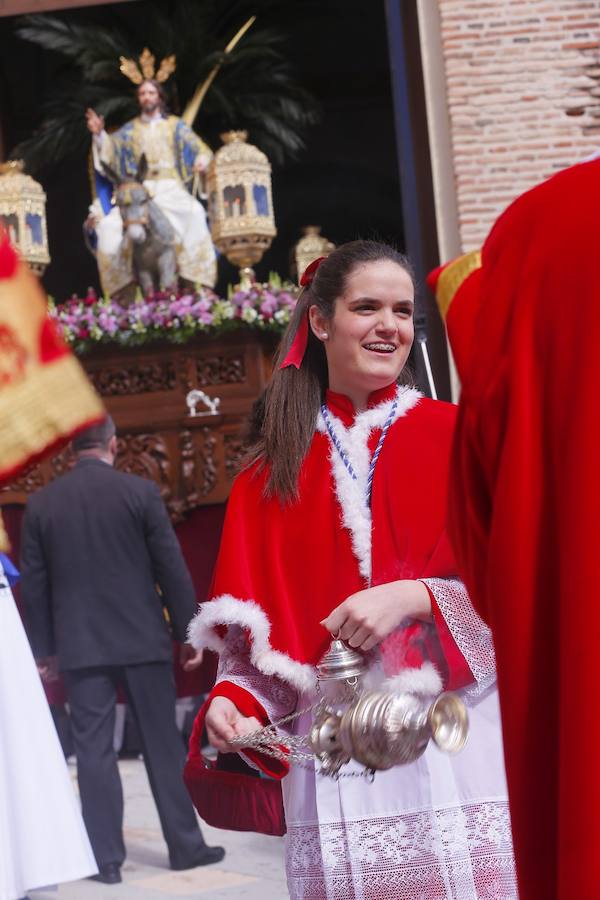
[268,307]
[286,299]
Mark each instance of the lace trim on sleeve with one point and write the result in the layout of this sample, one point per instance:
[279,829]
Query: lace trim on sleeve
[277,698]
[471,635]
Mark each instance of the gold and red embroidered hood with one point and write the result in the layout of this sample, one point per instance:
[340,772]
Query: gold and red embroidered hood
[456,286]
[45,396]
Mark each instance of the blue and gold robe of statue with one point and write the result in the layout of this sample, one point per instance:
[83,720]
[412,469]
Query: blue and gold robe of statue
[171,148]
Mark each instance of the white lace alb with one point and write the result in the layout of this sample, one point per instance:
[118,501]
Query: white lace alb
[462,853]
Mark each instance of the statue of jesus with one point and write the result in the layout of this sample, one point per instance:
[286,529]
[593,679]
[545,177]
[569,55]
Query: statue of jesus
[174,154]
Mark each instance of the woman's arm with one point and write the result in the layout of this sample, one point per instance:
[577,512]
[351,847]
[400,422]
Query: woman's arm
[243,700]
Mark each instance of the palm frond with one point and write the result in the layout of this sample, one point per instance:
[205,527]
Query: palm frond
[84,43]
[254,89]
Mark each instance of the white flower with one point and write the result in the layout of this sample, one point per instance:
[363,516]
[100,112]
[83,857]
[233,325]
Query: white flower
[249,314]
[221,310]
[282,316]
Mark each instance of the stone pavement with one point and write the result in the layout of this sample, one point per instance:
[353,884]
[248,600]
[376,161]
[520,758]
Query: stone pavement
[253,868]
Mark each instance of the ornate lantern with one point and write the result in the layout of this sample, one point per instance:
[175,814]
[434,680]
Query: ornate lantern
[310,246]
[23,214]
[240,202]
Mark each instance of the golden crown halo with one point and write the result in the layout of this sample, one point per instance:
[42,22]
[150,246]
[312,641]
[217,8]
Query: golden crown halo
[145,70]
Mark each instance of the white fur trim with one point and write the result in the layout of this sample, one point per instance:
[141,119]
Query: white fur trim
[425,680]
[228,610]
[356,515]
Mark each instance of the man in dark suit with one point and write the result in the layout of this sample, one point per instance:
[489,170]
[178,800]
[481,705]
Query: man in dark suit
[96,543]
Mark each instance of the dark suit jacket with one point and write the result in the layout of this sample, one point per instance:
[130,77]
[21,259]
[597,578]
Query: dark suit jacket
[95,544]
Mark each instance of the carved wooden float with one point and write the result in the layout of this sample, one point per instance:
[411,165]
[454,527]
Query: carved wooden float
[193,459]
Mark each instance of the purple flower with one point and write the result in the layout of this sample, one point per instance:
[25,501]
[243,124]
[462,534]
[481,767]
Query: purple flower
[287,299]
[162,311]
[268,307]
[108,322]
[141,312]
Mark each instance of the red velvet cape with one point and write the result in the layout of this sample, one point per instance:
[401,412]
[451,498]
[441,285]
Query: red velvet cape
[287,566]
[524,518]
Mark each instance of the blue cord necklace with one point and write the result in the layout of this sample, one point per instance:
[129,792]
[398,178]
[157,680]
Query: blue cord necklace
[344,457]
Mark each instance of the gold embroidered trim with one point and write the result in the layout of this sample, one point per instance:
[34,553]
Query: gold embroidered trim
[198,263]
[50,403]
[453,276]
[155,141]
[136,139]
[115,269]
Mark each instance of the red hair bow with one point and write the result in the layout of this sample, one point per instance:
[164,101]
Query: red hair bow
[310,270]
[295,354]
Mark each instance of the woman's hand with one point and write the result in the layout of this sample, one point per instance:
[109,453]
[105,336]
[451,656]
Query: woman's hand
[224,722]
[190,658]
[364,619]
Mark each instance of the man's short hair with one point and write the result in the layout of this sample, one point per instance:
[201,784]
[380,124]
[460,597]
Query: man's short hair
[96,437]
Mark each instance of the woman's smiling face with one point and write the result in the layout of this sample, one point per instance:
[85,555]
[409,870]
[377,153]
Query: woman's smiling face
[371,333]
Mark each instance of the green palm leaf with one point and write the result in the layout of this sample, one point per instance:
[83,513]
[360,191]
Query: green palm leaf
[254,89]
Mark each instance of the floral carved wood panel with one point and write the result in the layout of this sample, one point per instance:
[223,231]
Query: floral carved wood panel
[207,445]
[187,496]
[28,482]
[145,455]
[220,370]
[234,451]
[62,463]
[192,459]
[133,380]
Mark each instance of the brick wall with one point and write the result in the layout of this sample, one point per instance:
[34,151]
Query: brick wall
[523,82]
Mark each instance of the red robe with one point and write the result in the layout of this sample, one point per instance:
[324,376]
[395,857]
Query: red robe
[525,504]
[283,568]
[440,826]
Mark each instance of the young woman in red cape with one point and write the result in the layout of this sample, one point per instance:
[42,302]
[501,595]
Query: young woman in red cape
[337,527]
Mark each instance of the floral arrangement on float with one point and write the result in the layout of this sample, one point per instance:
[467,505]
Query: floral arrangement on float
[176,317]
